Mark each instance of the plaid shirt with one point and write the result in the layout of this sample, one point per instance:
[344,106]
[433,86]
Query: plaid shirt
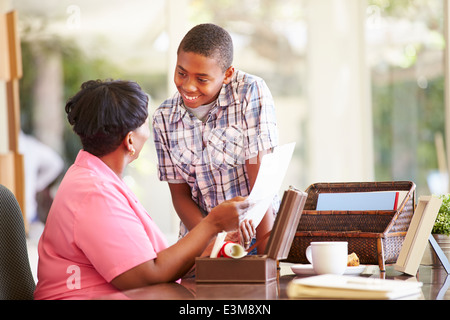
[210,156]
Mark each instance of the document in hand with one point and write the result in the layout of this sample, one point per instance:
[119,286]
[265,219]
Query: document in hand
[330,286]
[268,182]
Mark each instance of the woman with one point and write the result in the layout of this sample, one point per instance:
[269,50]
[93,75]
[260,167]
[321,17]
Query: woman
[98,238]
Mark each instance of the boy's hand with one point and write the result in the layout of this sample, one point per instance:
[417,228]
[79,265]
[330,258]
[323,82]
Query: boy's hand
[248,232]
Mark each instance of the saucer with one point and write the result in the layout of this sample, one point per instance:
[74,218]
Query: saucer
[307,269]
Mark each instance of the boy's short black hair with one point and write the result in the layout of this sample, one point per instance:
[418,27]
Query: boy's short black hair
[209,40]
[103,112]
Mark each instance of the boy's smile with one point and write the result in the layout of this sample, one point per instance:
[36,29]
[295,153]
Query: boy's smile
[199,79]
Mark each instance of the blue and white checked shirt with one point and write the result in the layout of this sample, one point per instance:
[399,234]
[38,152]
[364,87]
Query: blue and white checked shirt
[210,156]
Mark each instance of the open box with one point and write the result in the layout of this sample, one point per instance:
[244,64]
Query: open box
[258,268]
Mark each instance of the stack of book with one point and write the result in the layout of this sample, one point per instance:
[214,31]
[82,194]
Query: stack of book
[330,286]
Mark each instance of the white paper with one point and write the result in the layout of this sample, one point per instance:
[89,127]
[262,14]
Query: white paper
[268,182]
[218,244]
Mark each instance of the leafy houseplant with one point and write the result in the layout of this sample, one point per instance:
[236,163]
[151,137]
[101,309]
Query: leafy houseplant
[441,229]
[442,223]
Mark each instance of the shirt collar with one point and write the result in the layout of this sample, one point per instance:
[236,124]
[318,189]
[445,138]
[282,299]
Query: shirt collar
[228,93]
[87,160]
[178,111]
[222,100]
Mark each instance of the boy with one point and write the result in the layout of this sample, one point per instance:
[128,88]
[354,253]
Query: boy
[211,134]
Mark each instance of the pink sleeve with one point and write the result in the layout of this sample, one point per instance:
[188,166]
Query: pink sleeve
[110,233]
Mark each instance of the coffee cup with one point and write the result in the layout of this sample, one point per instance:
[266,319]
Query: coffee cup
[328,257]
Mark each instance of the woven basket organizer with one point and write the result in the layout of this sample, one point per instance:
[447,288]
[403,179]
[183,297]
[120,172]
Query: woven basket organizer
[375,236]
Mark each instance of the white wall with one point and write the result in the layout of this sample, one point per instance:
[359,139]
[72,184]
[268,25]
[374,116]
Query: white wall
[338,102]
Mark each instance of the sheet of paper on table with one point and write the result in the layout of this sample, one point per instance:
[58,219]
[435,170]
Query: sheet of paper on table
[268,182]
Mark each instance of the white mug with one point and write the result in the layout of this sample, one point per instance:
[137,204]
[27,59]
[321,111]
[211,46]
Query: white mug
[328,256]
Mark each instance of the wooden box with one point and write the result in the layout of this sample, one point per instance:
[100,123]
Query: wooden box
[375,236]
[259,268]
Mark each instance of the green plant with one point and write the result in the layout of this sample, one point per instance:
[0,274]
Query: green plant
[442,223]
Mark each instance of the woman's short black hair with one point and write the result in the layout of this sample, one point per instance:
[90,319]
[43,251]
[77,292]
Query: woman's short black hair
[211,41]
[103,112]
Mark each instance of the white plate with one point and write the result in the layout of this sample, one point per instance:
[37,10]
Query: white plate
[355,270]
[307,269]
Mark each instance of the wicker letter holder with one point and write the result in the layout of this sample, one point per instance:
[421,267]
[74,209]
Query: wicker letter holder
[259,268]
[375,236]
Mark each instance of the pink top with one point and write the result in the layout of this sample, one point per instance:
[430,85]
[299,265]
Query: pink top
[95,231]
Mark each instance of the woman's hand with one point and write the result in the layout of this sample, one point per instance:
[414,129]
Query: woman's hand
[226,216]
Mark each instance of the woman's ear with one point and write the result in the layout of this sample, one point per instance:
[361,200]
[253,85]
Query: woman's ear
[128,142]
[228,75]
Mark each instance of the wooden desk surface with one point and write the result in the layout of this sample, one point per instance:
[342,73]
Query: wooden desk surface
[435,281]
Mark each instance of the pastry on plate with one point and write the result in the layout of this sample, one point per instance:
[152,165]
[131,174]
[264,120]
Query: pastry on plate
[352,260]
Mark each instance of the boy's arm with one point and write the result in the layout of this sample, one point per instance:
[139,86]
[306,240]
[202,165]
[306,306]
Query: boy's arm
[266,223]
[186,208]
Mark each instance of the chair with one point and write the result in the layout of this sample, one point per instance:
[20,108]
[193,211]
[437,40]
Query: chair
[16,279]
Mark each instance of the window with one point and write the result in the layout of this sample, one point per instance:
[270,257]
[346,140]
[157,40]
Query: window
[405,52]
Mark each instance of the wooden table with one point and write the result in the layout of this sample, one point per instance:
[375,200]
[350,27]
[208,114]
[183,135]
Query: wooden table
[435,281]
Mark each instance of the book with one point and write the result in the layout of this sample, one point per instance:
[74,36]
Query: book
[329,286]
[361,201]
[401,196]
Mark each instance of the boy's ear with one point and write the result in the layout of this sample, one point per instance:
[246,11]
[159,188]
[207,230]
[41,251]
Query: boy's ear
[228,75]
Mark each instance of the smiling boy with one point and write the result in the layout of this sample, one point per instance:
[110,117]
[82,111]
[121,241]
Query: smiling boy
[211,134]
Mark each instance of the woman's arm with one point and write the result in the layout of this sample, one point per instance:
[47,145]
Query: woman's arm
[173,262]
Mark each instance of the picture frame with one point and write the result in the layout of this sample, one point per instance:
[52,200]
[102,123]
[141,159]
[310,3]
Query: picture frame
[418,235]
